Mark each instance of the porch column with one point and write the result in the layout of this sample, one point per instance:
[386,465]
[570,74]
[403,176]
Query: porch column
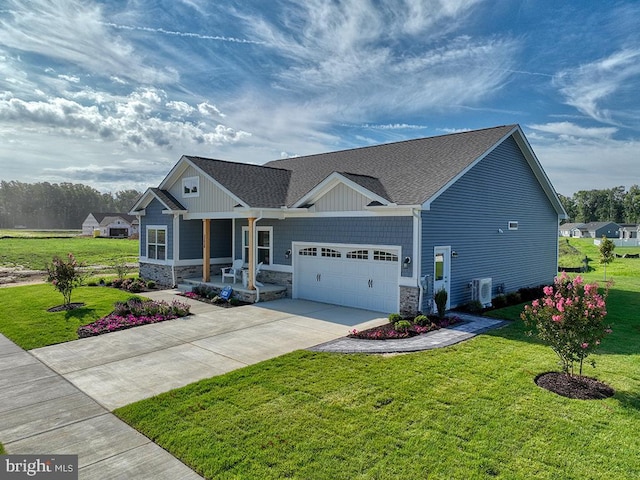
[252,260]
[206,250]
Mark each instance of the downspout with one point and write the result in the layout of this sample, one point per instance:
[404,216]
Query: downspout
[255,256]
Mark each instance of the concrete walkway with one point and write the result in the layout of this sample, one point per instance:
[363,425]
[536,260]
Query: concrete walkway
[444,337]
[42,413]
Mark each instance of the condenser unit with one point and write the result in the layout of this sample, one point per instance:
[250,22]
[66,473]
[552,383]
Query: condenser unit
[481,291]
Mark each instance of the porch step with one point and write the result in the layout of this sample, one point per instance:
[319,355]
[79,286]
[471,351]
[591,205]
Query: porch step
[185,287]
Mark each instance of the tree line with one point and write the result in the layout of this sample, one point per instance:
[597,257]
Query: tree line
[614,204]
[47,205]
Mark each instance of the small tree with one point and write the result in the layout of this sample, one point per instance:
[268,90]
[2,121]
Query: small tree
[606,253]
[65,275]
[570,319]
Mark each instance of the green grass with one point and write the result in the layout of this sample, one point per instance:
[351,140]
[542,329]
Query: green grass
[25,233]
[35,253]
[24,318]
[2,450]
[470,411]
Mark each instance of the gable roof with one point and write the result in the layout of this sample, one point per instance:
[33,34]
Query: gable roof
[100,216]
[408,172]
[256,185]
[592,226]
[571,226]
[162,196]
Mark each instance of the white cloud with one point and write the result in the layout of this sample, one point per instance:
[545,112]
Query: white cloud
[571,130]
[211,110]
[73,31]
[592,88]
[69,78]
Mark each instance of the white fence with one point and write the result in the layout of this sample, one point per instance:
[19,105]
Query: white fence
[620,242]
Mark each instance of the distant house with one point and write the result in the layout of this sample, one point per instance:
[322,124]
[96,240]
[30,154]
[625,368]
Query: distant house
[380,227]
[629,231]
[571,230]
[600,229]
[110,224]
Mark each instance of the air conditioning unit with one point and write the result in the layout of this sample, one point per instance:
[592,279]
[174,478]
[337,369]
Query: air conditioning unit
[481,291]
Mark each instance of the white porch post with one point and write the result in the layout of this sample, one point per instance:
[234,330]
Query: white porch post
[251,260]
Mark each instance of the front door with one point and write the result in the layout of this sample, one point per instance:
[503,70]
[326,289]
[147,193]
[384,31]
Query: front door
[442,270]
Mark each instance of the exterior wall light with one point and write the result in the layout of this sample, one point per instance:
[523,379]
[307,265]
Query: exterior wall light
[287,254]
[406,262]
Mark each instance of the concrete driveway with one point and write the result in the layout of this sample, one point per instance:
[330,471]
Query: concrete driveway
[123,367]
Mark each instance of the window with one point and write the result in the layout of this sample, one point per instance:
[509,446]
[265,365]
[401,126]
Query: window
[157,243]
[513,225]
[263,246]
[384,256]
[359,254]
[308,252]
[330,252]
[190,187]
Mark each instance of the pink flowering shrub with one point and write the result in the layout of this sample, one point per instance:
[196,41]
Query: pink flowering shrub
[570,319]
[132,313]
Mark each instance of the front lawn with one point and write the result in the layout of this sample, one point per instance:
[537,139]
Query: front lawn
[24,318]
[467,411]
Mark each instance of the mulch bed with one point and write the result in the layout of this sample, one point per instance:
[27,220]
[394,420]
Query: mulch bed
[388,332]
[65,308]
[577,387]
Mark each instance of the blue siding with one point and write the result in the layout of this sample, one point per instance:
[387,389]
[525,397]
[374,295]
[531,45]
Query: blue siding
[499,189]
[191,239]
[351,230]
[154,216]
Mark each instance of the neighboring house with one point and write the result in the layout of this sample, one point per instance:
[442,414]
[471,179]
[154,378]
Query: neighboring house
[571,229]
[110,224]
[629,231]
[379,227]
[600,229]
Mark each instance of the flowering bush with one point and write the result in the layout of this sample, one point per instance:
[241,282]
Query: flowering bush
[570,319]
[132,313]
[65,275]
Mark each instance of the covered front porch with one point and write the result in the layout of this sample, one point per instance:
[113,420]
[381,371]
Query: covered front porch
[260,293]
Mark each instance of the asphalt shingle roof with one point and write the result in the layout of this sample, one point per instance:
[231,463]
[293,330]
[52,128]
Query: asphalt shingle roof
[256,185]
[168,199]
[407,173]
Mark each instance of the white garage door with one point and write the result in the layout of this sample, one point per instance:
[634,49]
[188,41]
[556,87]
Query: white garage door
[353,276]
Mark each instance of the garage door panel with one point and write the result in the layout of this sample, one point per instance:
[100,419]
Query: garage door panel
[356,282]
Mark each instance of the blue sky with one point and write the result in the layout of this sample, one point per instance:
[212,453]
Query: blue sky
[112,93]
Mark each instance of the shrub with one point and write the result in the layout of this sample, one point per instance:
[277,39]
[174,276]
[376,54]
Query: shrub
[513,298]
[135,311]
[474,306]
[121,268]
[570,319]
[499,301]
[151,284]
[440,297]
[235,301]
[402,326]
[422,320]
[394,318]
[133,285]
[65,275]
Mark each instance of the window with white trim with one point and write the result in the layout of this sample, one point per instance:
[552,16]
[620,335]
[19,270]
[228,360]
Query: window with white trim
[190,187]
[264,245]
[308,252]
[157,243]
[513,225]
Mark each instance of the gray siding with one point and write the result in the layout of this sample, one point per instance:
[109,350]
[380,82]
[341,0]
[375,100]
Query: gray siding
[499,189]
[154,216]
[191,239]
[350,230]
